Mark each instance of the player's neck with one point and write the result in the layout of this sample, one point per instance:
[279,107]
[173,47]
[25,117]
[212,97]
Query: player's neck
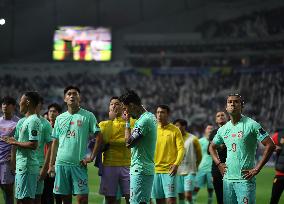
[30,112]
[235,118]
[164,123]
[7,116]
[140,111]
[73,109]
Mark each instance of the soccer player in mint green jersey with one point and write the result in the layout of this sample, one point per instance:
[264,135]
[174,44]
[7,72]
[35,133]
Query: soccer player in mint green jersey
[26,141]
[71,133]
[142,141]
[240,135]
[44,142]
[204,175]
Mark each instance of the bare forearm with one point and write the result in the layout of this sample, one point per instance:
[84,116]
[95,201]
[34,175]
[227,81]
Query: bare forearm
[47,156]
[127,134]
[26,145]
[265,156]
[98,144]
[214,153]
[53,152]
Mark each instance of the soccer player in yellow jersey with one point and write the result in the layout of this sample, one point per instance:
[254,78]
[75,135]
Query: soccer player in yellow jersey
[116,159]
[188,168]
[168,156]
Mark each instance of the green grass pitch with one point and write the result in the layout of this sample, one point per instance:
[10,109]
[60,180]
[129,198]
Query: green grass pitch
[263,189]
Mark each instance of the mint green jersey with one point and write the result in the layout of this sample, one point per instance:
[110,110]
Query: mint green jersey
[45,138]
[27,129]
[73,131]
[241,142]
[206,161]
[142,153]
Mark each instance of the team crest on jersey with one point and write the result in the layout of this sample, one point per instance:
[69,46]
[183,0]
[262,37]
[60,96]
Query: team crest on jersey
[79,123]
[234,135]
[240,134]
[34,133]
[71,123]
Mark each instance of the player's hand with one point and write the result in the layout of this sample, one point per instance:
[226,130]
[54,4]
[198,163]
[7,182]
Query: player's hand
[173,170]
[125,115]
[250,173]
[51,171]
[222,168]
[9,140]
[42,174]
[85,161]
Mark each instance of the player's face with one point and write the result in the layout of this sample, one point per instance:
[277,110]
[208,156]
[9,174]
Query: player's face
[72,97]
[234,105]
[52,114]
[129,111]
[221,118]
[24,104]
[115,107]
[162,115]
[208,130]
[7,108]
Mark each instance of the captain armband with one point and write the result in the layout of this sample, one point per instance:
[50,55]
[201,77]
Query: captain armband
[135,136]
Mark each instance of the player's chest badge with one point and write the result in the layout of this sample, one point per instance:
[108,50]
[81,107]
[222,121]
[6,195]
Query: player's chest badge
[240,134]
[79,123]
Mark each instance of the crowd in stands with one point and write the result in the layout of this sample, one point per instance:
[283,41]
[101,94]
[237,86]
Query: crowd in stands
[255,25]
[193,97]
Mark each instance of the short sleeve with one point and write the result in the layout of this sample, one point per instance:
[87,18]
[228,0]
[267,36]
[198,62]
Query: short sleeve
[55,131]
[218,139]
[261,134]
[34,130]
[94,127]
[48,132]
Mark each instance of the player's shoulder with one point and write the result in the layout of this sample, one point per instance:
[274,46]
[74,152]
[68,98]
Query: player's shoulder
[45,122]
[105,122]
[15,118]
[173,128]
[34,118]
[250,122]
[86,113]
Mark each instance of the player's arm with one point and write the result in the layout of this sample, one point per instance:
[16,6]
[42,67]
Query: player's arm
[269,147]
[217,140]
[214,154]
[53,153]
[13,158]
[180,150]
[45,167]
[98,144]
[198,151]
[95,129]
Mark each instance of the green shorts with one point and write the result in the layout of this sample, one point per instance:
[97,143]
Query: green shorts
[202,178]
[25,185]
[239,192]
[185,183]
[71,180]
[140,188]
[164,186]
[39,187]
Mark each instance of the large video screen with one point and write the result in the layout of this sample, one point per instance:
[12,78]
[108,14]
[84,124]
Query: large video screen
[75,43]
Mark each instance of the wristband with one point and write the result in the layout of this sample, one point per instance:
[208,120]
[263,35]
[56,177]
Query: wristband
[127,124]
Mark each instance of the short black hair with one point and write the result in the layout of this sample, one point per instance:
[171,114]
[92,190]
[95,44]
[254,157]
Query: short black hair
[8,100]
[33,97]
[163,106]
[71,87]
[130,97]
[41,100]
[181,121]
[113,97]
[238,95]
[56,106]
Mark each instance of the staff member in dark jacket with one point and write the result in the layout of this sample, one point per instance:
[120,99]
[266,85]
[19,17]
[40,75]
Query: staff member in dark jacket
[221,119]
